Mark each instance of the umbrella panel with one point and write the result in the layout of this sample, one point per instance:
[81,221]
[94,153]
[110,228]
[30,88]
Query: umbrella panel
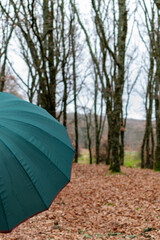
[35,158]
[40,178]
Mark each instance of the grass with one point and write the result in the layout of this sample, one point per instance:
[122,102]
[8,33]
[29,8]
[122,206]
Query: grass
[131,158]
[84,157]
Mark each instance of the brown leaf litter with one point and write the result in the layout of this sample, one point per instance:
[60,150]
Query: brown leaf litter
[99,205]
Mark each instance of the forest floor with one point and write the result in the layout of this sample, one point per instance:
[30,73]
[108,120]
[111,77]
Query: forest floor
[99,205]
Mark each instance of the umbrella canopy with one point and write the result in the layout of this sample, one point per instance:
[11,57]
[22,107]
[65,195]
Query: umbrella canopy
[35,160]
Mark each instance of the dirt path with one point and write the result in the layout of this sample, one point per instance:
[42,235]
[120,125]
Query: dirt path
[97,205]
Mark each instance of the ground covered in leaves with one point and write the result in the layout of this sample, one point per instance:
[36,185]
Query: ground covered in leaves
[99,205]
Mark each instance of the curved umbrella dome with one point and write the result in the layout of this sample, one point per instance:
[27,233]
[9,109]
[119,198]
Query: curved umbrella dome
[35,160]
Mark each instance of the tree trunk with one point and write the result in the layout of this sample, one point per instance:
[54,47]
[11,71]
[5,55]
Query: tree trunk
[108,158]
[119,85]
[122,147]
[88,126]
[157,99]
[157,109]
[74,87]
[109,145]
[52,68]
[148,142]
[115,138]
[96,118]
[64,79]
[142,152]
[147,147]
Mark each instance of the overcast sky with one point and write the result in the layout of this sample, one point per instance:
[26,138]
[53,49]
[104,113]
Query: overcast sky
[136,107]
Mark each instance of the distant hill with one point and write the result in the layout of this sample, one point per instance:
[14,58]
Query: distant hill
[133,133]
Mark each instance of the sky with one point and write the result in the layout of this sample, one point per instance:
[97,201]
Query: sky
[136,106]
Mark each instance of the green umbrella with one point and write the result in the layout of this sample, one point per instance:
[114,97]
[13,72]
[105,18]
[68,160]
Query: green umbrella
[35,160]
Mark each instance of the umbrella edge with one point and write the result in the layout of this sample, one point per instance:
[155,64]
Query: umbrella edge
[9,231]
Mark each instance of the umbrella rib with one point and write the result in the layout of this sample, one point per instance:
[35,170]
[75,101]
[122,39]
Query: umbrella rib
[25,172]
[40,129]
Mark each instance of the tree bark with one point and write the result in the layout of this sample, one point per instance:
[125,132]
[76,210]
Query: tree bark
[74,87]
[88,127]
[157,109]
[119,85]
[157,98]
[97,142]
[64,79]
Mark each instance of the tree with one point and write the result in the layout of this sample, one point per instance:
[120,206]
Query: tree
[152,20]
[73,53]
[157,94]
[147,148]
[112,88]
[43,32]
[99,120]
[88,120]
[157,2]
[5,37]
[11,85]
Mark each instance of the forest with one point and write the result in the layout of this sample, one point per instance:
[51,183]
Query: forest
[87,63]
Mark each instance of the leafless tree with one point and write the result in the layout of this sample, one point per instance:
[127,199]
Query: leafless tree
[112,84]
[74,74]
[152,47]
[43,30]
[5,37]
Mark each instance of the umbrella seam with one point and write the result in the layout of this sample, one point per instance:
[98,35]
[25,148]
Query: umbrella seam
[39,149]
[41,130]
[26,173]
